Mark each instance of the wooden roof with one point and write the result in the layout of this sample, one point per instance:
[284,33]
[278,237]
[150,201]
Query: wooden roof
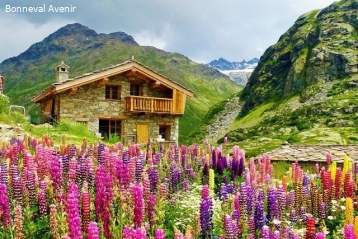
[130,68]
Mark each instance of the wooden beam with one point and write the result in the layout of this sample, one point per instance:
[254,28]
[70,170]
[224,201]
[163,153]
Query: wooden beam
[131,73]
[72,90]
[154,84]
[103,81]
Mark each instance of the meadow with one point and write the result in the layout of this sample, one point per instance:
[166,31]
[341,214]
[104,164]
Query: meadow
[97,190]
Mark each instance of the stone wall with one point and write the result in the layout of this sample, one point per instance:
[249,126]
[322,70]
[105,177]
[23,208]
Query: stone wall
[88,104]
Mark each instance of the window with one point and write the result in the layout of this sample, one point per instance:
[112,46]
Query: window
[113,92]
[164,131]
[82,122]
[136,90]
[110,127]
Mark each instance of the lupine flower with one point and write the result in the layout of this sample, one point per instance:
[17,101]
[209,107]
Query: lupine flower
[5,215]
[211,179]
[320,235]
[138,201]
[42,200]
[159,234]
[265,232]
[259,215]
[104,197]
[86,208]
[73,212]
[92,231]
[230,227]
[152,202]
[349,213]
[310,228]
[53,221]
[206,213]
[356,226]
[349,232]
[272,205]
[18,223]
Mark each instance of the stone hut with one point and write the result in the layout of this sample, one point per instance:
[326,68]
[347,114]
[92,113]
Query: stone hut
[128,99]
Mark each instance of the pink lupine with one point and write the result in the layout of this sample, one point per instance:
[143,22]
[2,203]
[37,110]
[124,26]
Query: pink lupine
[73,212]
[152,202]
[138,202]
[159,234]
[92,231]
[104,198]
[5,215]
[42,201]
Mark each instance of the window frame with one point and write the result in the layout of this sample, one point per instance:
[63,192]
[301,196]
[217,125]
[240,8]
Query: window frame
[112,88]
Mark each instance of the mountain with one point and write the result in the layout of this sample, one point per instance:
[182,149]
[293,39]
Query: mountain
[84,50]
[224,65]
[304,89]
[321,47]
[239,72]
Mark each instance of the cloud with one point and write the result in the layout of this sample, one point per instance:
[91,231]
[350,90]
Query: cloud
[200,29]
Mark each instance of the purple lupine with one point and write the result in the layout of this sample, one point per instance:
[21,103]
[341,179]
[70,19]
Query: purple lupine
[206,213]
[104,198]
[153,175]
[92,231]
[293,216]
[65,165]
[186,185]
[73,212]
[265,232]
[159,234]
[230,227]
[3,173]
[251,225]
[17,189]
[290,199]
[322,211]
[259,214]
[272,205]
[138,201]
[223,194]
[30,185]
[243,201]
[250,199]
[5,215]
[139,167]
[100,153]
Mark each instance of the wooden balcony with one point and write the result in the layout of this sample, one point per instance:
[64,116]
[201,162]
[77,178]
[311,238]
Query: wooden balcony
[148,104]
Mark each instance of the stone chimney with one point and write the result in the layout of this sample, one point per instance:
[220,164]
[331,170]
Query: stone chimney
[62,72]
[2,80]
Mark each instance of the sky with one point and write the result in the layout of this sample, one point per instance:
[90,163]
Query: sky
[202,30]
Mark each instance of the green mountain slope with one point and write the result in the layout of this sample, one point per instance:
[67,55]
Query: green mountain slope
[305,87]
[320,47]
[84,51]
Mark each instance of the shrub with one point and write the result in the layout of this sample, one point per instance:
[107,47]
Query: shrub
[4,104]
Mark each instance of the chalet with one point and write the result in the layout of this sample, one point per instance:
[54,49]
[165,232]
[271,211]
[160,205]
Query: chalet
[127,99]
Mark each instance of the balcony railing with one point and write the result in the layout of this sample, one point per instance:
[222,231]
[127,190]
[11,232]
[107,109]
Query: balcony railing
[148,104]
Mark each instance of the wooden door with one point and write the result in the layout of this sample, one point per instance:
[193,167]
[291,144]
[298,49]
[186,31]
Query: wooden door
[142,133]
